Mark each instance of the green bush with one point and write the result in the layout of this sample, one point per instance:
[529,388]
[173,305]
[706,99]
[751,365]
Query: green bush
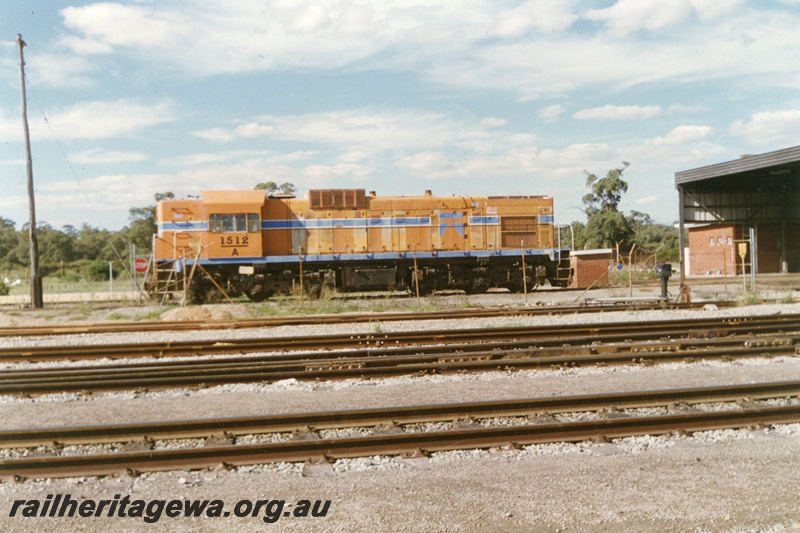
[4,289]
[98,271]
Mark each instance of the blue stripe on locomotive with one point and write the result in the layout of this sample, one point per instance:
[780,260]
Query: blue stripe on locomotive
[349,223]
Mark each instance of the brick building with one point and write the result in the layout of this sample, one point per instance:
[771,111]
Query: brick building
[752,202]
[590,268]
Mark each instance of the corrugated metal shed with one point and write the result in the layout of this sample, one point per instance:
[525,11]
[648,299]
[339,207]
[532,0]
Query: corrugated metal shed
[754,191]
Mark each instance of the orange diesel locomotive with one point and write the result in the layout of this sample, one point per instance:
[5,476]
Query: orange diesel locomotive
[244,242]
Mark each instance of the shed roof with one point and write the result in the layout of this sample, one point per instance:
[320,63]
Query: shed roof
[740,171]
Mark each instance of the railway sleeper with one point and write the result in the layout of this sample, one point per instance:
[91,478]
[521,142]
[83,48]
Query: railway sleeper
[769,342]
[305,433]
[221,438]
[320,367]
[144,443]
[387,428]
[464,358]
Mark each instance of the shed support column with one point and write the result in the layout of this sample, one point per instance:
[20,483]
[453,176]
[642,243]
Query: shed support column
[681,240]
[784,262]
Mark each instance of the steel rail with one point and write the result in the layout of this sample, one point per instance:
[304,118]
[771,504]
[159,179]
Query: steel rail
[341,318]
[607,331]
[409,414]
[404,444]
[198,373]
[581,345]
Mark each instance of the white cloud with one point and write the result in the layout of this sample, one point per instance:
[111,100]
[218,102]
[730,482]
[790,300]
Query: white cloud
[494,122]
[552,113]
[777,128]
[744,46]
[89,120]
[217,158]
[539,15]
[613,112]
[242,36]
[680,108]
[97,156]
[629,16]
[104,119]
[254,129]
[432,165]
[58,70]
[680,145]
[366,132]
[647,200]
[686,134]
[86,46]
[215,134]
[109,24]
[336,175]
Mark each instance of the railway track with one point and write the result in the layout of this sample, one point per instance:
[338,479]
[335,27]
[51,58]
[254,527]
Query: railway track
[748,412]
[568,334]
[388,362]
[120,327]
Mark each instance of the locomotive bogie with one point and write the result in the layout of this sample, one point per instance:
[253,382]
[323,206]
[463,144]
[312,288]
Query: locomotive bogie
[248,243]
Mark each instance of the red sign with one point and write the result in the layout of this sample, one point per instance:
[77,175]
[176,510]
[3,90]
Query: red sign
[140,265]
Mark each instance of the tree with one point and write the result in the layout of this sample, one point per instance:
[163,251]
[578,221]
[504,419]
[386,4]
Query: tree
[92,243]
[606,225]
[654,239]
[9,238]
[606,229]
[98,271]
[606,192]
[55,246]
[270,187]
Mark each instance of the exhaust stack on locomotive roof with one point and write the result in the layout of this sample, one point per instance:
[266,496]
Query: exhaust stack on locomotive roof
[243,242]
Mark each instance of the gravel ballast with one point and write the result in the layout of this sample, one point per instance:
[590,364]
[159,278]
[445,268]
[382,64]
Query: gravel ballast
[743,480]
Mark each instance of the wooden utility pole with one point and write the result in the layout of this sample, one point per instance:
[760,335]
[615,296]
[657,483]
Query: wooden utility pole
[36,278]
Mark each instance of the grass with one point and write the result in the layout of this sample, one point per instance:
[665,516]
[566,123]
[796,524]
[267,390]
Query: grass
[327,304]
[290,305]
[749,298]
[81,312]
[157,312]
[509,325]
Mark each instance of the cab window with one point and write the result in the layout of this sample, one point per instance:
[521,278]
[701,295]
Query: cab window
[240,223]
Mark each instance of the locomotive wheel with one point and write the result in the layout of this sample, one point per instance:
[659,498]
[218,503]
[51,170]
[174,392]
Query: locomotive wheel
[518,287]
[258,293]
[479,286]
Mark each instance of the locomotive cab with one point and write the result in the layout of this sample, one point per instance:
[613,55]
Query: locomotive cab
[234,225]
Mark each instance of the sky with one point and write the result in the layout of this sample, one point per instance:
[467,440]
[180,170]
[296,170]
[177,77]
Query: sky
[470,97]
